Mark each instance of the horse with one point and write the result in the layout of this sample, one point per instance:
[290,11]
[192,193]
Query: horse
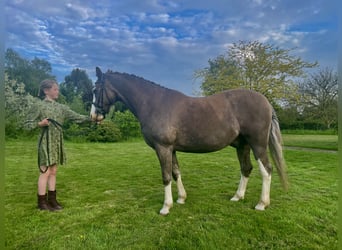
[171,121]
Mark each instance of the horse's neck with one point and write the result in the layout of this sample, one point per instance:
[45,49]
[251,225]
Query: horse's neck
[136,95]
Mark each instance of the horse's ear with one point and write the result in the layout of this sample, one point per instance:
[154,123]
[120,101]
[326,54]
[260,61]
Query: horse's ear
[98,72]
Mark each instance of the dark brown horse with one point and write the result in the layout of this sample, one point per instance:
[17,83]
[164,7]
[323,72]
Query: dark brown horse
[171,121]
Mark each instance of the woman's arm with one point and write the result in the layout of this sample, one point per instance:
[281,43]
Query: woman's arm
[74,116]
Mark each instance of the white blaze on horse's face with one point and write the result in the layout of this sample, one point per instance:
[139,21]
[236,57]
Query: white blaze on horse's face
[93,114]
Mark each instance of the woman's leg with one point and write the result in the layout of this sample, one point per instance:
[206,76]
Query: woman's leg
[43,180]
[52,189]
[42,183]
[52,177]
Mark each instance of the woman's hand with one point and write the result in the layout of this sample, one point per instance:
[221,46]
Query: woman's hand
[43,123]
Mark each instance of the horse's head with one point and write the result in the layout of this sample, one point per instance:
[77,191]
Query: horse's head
[103,97]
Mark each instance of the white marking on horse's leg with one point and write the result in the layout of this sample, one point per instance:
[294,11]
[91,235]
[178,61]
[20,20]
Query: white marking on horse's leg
[240,193]
[93,109]
[181,191]
[92,112]
[266,187]
[168,201]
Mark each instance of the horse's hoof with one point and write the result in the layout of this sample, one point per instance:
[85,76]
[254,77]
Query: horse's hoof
[164,211]
[261,206]
[236,198]
[181,201]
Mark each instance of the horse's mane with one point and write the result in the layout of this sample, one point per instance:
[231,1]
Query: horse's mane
[139,78]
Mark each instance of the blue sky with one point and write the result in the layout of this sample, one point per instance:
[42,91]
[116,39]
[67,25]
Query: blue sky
[165,41]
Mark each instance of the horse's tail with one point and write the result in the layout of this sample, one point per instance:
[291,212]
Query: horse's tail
[275,146]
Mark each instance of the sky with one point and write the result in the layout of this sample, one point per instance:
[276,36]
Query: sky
[165,41]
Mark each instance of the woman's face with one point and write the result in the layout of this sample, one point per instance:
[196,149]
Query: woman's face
[52,93]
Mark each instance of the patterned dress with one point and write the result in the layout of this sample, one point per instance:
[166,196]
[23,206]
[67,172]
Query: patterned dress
[51,143]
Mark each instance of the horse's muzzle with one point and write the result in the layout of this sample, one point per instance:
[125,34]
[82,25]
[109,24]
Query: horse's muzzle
[96,117]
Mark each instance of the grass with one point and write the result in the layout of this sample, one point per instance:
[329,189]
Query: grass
[310,132]
[325,142]
[112,194]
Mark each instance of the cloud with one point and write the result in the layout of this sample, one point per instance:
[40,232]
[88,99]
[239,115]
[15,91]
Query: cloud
[163,41]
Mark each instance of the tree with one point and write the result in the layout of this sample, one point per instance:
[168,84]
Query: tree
[77,88]
[256,66]
[17,104]
[319,97]
[219,76]
[30,73]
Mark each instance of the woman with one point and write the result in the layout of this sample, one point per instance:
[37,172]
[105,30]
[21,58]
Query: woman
[50,115]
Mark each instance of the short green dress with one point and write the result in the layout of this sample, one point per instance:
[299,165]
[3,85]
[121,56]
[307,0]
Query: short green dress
[50,143]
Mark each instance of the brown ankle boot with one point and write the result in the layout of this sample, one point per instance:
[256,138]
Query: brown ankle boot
[52,201]
[43,204]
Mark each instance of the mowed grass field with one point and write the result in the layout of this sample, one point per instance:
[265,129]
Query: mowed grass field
[325,142]
[112,193]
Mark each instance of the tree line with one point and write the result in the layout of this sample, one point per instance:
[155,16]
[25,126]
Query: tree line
[302,100]
[22,79]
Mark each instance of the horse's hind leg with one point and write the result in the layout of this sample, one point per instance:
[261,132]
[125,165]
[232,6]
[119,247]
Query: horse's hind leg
[243,152]
[266,173]
[177,177]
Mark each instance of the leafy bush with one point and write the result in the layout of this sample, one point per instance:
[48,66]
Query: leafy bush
[107,131]
[76,132]
[121,126]
[128,124]
[17,106]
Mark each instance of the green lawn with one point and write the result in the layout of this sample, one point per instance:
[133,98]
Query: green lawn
[327,142]
[112,194]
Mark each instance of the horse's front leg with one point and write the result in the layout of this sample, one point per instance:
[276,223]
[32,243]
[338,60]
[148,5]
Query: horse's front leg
[177,177]
[165,159]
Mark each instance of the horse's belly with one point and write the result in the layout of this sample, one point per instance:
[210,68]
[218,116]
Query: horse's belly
[206,142]
[198,149]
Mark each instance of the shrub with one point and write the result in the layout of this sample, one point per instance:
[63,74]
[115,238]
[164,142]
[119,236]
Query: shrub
[128,124]
[76,132]
[107,131]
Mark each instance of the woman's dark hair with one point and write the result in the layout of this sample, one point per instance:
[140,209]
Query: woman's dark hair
[45,84]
